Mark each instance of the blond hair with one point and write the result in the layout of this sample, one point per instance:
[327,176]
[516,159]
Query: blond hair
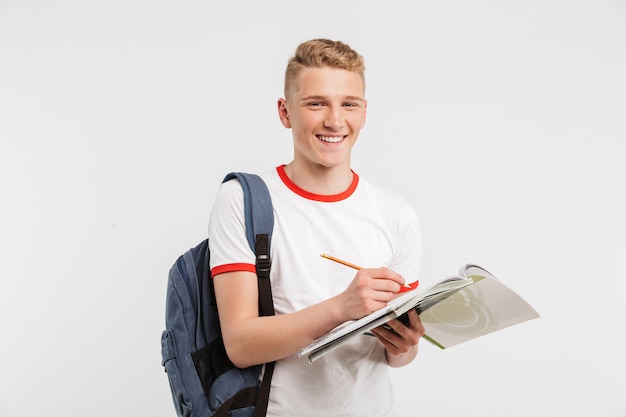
[318,53]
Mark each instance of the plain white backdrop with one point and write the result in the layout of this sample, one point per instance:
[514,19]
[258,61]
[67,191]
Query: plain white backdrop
[503,123]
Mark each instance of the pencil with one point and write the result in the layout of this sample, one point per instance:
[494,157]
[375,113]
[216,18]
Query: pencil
[405,287]
[340,261]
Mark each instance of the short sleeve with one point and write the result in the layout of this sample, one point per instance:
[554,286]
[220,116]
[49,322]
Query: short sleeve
[408,252]
[227,235]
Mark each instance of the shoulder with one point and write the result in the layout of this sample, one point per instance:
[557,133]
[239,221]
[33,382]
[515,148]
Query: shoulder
[233,189]
[383,196]
[271,178]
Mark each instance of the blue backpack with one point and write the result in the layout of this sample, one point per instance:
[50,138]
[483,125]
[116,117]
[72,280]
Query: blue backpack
[203,381]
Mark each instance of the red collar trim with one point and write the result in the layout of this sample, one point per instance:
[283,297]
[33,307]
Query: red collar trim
[317,197]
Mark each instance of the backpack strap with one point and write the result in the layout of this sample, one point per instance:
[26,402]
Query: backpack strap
[259,217]
[257,205]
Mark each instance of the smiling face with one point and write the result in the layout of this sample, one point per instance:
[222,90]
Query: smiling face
[326,110]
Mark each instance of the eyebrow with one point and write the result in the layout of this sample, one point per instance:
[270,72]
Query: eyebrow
[349,98]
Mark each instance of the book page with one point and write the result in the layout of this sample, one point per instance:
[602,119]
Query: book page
[479,309]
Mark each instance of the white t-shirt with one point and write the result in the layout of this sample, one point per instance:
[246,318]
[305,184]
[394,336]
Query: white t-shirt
[364,225]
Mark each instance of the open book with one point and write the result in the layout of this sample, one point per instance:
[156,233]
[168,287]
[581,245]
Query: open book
[454,310]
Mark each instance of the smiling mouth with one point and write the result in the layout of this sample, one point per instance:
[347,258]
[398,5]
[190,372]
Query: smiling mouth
[330,139]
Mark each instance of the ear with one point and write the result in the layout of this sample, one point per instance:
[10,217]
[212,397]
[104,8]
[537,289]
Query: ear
[364,114]
[283,113]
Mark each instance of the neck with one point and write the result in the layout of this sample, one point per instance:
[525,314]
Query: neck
[319,179]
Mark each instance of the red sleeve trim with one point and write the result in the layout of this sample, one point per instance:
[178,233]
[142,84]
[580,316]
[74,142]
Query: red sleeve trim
[220,269]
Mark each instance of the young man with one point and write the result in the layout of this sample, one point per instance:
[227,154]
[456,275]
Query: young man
[320,205]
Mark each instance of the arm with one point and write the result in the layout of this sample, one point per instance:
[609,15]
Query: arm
[250,339]
[401,343]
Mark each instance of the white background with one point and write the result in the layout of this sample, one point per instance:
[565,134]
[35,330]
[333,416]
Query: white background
[503,123]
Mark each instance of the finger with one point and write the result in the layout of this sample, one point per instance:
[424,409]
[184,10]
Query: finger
[415,322]
[387,285]
[411,333]
[389,275]
[387,336]
[393,343]
[397,326]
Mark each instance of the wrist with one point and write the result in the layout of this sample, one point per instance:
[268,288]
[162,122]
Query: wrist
[401,359]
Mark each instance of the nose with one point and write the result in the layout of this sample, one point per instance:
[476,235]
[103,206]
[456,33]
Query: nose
[334,119]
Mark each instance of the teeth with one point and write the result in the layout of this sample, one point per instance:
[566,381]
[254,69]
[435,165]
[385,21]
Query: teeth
[330,139]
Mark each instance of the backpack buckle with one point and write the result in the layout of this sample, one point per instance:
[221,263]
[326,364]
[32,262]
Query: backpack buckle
[263,265]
